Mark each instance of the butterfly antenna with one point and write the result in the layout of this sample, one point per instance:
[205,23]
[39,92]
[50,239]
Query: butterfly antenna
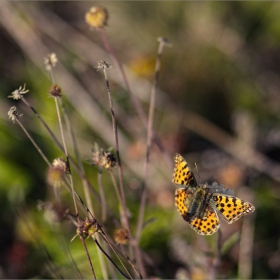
[197,172]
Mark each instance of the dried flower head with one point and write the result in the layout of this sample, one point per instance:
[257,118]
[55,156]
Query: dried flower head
[59,162]
[50,61]
[56,172]
[102,64]
[13,114]
[89,227]
[164,41]
[55,91]
[97,17]
[17,94]
[121,236]
[104,159]
[52,213]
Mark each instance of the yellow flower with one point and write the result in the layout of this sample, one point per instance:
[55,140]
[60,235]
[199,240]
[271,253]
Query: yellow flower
[96,17]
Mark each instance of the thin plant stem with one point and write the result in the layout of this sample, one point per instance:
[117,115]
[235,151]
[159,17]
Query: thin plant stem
[85,185]
[80,172]
[35,237]
[102,261]
[51,74]
[43,122]
[162,42]
[217,259]
[109,242]
[111,269]
[130,262]
[102,195]
[113,249]
[124,219]
[246,249]
[135,101]
[149,141]
[116,187]
[65,248]
[43,155]
[88,257]
[33,142]
[119,270]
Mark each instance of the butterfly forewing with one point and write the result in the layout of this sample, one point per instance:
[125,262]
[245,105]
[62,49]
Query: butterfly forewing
[230,207]
[182,175]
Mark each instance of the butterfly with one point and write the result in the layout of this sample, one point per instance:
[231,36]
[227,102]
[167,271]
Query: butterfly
[199,204]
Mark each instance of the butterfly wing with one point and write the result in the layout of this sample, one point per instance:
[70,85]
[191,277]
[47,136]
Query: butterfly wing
[182,174]
[230,207]
[207,225]
[181,196]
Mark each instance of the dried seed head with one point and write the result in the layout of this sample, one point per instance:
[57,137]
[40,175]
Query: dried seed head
[103,159]
[121,236]
[56,172]
[50,61]
[89,227]
[97,17]
[17,94]
[102,64]
[164,41]
[59,162]
[55,91]
[52,213]
[13,114]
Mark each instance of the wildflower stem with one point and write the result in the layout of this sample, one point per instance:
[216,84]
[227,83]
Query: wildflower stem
[85,185]
[113,249]
[109,242]
[135,101]
[66,153]
[115,130]
[89,260]
[33,142]
[102,195]
[116,187]
[80,172]
[109,258]
[43,122]
[61,129]
[149,142]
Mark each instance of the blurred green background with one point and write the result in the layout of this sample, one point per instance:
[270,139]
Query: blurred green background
[218,105]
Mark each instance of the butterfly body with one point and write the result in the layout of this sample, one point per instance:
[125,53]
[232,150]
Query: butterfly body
[199,204]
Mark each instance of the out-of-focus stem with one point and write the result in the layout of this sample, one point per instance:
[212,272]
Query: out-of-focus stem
[124,217]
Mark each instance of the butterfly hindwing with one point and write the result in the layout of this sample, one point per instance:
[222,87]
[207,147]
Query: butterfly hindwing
[180,199]
[208,225]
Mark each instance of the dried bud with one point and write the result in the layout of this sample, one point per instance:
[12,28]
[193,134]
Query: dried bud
[50,61]
[121,236]
[88,228]
[56,172]
[17,94]
[104,159]
[102,64]
[97,17]
[13,114]
[52,213]
[55,91]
